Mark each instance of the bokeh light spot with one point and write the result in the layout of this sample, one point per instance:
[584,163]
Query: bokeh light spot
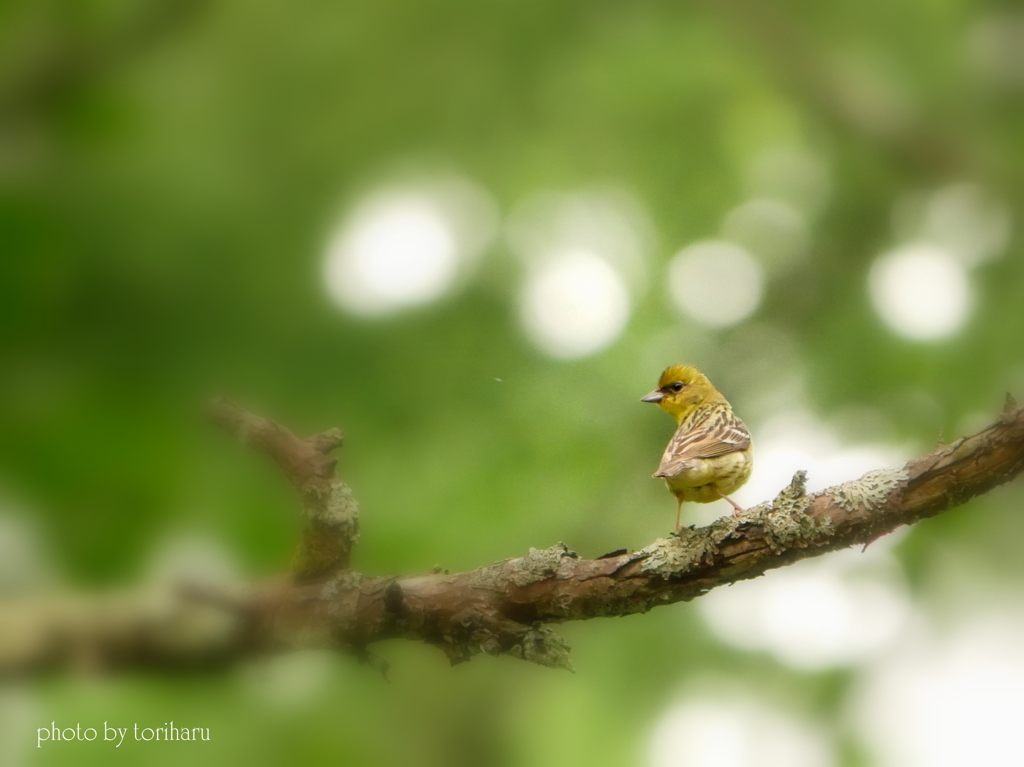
[792,174]
[773,229]
[970,222]
[965,220]
[794,440]
[574,304]
[294,680]
[996,47]
[821,613]
[735,731]
[406,246]
[946,702]
[607,222]
[715,283]
[816,614]
[921,292]
[194,558]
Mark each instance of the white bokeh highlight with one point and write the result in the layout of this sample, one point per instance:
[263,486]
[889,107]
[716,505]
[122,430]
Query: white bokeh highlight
[715,283]
[584,255]
[948,701]
[193,557]
[735,731]
[815,614]
[775,230]
[921,291]
[407,245]
[796,440]
[574,304]
[792,174]
[290,680]
[823,613]
[995,46]
[969,223]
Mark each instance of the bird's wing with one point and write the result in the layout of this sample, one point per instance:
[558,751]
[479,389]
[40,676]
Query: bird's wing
[720,434]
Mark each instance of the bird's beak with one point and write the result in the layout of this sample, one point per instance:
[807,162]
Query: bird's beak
[654,396]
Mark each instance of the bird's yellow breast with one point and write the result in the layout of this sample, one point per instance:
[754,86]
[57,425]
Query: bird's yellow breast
[710,479]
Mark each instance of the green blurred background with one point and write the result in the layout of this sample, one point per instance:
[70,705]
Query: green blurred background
[472,236]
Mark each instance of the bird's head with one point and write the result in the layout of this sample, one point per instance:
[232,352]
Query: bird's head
[681,389]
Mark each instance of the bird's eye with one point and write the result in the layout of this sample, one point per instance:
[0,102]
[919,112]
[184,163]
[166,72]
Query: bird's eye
[678,386]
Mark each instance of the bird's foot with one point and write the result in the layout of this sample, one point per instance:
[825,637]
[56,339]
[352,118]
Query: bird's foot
[737,509]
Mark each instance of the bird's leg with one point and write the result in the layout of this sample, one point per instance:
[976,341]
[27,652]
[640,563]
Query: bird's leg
[679,507]
[736,506]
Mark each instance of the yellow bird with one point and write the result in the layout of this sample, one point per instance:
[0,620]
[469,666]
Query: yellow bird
[710,455]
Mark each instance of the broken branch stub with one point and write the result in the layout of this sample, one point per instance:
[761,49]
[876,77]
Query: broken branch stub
[331,512]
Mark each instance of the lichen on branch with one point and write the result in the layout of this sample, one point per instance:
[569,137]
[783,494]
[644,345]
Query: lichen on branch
[507,607]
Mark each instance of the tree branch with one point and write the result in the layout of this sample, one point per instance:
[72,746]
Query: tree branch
[504,608]
[331,511]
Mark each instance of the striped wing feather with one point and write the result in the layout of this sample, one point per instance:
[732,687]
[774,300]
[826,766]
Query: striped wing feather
[720,433]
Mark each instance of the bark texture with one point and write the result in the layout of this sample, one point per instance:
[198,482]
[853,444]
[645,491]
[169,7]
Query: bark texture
[507,607]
